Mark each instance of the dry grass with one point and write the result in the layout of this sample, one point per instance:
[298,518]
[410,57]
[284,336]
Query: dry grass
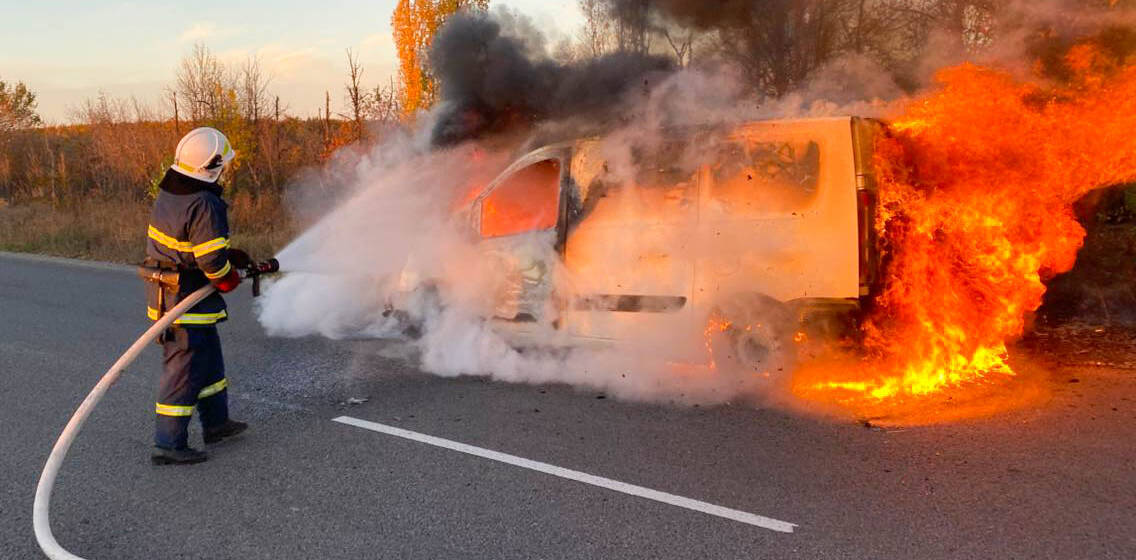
[115,231]
[260,225]
[105,231]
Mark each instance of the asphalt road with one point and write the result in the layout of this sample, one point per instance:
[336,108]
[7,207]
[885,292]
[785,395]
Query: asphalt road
[1053,481]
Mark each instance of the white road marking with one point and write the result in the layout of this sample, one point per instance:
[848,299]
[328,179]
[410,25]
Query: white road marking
[687,503]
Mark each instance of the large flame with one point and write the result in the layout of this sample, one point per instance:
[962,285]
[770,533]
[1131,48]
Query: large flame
[976,191]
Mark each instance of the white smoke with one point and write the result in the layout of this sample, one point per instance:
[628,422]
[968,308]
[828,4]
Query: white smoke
[403,224]
[341,271]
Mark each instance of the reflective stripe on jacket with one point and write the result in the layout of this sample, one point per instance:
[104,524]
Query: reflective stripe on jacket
[189,231]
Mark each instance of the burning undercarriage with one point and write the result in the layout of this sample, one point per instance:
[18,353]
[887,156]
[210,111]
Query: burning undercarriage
[977,189]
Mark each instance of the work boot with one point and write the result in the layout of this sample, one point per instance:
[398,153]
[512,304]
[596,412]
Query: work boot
[184,456]
[229,429]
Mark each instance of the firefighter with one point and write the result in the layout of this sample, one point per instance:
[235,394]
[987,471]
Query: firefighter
[189,233]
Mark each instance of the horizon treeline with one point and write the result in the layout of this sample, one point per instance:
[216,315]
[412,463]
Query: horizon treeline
[118,148]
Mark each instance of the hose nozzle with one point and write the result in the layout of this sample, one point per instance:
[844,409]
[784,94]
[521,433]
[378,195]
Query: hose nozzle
[267,267]
[255,269]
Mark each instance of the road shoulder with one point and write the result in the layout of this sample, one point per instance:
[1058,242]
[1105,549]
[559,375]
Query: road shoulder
[50,259]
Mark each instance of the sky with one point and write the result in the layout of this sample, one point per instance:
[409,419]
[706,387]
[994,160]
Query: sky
[67,51]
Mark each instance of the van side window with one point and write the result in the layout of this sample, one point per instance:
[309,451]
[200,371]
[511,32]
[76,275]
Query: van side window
[666,165]
[754,178]
[528,200]
[660,186]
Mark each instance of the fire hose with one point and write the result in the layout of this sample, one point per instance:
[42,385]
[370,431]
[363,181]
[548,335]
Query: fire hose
[41,516]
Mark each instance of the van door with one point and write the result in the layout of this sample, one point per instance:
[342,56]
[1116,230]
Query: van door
[779,214]
[517,219]
[627,259]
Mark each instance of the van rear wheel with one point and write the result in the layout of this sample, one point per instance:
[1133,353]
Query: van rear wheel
[751,333]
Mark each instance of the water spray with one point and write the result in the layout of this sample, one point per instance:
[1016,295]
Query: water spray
[41,515]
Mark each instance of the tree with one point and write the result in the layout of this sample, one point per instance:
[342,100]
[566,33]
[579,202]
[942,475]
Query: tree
[778,45]
[629,26]
[253,100]
[17,107]
[202,82]
[415,22]
[407,23]
[632,25]
[596,35]
[358,99]
[253,95]
[386,104]
[681,42]
[17,112]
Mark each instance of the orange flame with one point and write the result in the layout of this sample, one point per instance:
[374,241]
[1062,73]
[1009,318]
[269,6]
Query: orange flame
[976,192]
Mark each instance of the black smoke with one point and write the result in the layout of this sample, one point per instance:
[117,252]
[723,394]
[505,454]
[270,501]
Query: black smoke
[493,81]
[699,14]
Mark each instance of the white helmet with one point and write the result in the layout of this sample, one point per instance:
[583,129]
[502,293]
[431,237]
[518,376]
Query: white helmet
[203,154]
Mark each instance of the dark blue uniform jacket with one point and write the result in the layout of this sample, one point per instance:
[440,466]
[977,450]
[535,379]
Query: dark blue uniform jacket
[189,231]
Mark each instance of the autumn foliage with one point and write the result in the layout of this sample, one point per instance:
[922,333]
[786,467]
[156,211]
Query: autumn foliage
[415,23]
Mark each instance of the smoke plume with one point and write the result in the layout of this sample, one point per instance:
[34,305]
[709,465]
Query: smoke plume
[495,77]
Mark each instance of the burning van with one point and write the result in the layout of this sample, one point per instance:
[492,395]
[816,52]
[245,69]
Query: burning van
[752,231]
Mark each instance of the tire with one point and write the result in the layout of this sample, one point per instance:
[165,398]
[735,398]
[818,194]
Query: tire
[415,309]
[752,333]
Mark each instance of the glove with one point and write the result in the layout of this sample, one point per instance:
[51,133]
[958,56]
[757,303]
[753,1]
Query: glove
[228,282]
[239,259]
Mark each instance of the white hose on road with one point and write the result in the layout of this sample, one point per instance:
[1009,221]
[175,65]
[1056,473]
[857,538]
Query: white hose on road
[41,516]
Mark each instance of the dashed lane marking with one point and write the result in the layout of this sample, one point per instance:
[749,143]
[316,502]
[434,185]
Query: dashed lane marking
[623,487]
